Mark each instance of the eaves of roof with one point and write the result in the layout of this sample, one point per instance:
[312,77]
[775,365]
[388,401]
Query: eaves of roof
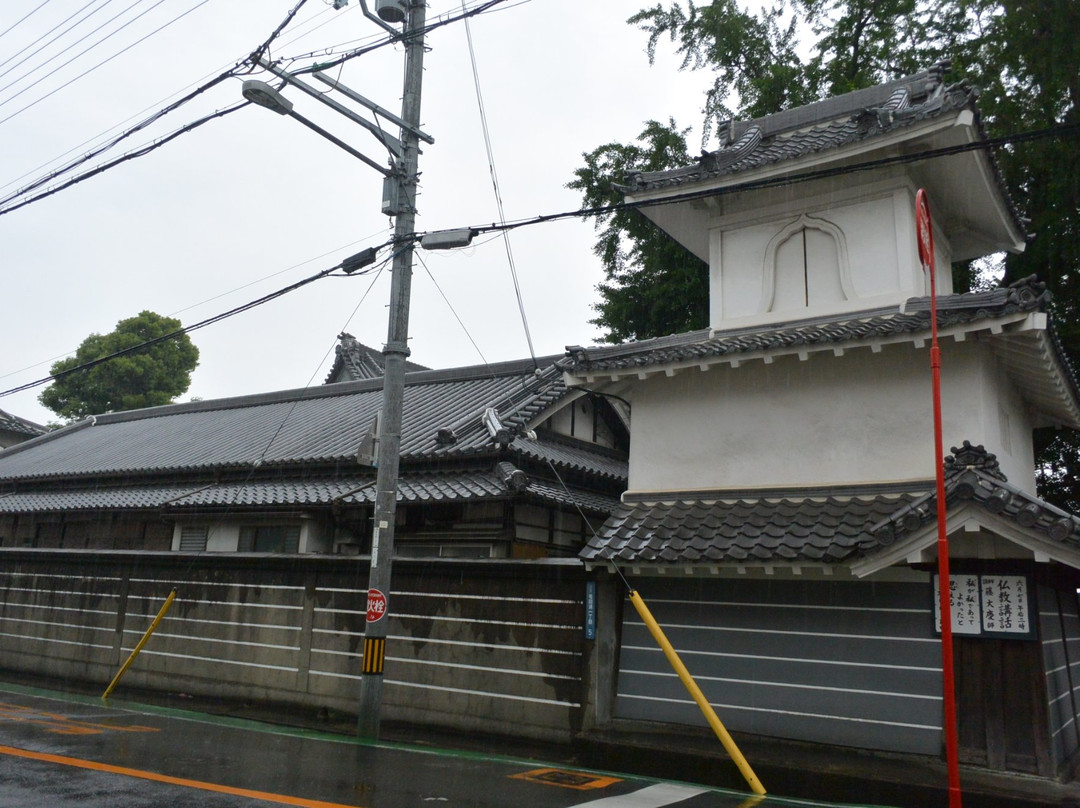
[573,457]
[454,485]
[862,528]
[809,527]
[1015,316]
[20,426]
[831,130]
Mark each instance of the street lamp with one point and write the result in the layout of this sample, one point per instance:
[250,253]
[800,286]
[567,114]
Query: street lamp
[262,94]
[400,187]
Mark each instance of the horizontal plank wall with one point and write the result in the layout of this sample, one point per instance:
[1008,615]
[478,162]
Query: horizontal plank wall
[493,646]
[838,662]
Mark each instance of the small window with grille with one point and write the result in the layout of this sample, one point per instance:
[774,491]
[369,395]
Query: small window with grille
[193,538]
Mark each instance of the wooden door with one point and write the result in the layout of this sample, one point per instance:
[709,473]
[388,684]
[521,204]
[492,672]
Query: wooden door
[1001,705]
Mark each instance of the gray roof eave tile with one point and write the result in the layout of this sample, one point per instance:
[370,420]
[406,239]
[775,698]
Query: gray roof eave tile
[1025,295]
[765,529]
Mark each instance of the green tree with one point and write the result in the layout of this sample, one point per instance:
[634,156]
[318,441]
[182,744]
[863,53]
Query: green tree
[654,285]
[1022,54]
[146,377]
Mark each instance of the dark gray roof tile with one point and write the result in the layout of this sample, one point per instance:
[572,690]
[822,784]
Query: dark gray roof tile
[769,530]
[322,425]
[829,124]
[20,426]
[1025,295]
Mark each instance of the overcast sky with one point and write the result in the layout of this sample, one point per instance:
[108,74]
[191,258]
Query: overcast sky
[252,202]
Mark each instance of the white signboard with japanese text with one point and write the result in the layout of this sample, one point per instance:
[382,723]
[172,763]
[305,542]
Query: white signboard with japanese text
[987,606]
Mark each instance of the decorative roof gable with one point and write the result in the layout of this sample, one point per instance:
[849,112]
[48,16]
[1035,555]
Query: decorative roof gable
[354,361]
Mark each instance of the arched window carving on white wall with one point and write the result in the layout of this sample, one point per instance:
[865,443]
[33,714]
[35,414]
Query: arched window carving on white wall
[806,266]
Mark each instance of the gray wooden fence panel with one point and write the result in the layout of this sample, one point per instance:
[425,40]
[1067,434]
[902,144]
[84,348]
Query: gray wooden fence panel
[849,663]
[1059,630]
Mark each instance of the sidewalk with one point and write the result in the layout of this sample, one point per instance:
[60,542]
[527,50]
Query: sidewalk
[811,772]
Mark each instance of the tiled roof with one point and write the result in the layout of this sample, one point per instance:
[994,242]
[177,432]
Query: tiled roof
[914,317]
[322,425]
[825,125]
[972,474]
[20,426]
[575,457]
[298,492]
[814,526]
[1032,355]
[589,502]
[354,361]
[820,526]
[88,499]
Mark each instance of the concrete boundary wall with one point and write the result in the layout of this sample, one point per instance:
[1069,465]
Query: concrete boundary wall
[493,646]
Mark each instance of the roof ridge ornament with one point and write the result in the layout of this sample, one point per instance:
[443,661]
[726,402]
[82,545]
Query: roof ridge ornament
[974,458]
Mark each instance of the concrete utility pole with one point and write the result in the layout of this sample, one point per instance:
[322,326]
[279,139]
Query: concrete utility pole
[399,198]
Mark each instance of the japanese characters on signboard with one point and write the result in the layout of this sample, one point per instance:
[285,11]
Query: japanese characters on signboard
[988,606]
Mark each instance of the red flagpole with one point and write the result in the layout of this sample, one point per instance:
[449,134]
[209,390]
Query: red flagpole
[925,235]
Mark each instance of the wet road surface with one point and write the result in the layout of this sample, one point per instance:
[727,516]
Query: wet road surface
[61,751]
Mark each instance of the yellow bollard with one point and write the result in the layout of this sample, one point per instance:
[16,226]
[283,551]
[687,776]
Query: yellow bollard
[695,691]
[135,651]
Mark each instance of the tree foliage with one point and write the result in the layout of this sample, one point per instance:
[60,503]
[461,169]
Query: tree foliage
[1023,55]
[148,377]
[654,285]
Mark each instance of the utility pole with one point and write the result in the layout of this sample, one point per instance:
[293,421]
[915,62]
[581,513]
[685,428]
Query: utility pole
[399,198]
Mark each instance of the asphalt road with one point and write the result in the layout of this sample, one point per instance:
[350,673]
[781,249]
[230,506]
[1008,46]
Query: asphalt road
[59,750]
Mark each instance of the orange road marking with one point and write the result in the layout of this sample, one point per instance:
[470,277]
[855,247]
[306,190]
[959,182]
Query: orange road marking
[61,724]
[281,799]
[566,779]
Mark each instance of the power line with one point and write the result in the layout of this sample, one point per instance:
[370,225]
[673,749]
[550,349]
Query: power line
[99,64]
[217,297]
[495,187]
[23,19]
[1053,132]
[482,8]
[71,27]
[257,54]
[446,20]
[136,128]
[157,144]
[194,327]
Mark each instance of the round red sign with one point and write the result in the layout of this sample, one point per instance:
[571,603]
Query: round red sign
[376,605]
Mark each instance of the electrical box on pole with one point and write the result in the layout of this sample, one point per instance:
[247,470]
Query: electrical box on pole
[392,196]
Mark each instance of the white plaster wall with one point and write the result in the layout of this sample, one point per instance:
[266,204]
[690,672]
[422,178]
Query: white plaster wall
[1014,448]
[223,538]
[858,418]
[314,537]
[878,234]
